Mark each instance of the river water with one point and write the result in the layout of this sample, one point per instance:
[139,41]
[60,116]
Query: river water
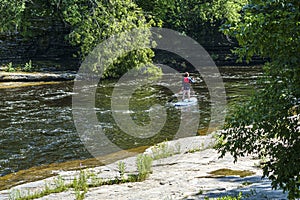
[37,127]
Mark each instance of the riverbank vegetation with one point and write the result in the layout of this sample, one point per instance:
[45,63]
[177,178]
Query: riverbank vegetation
[28,67]
[86,179]
[267,125]
[89,23]
[79,184]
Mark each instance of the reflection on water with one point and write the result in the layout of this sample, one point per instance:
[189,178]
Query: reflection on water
[36,123]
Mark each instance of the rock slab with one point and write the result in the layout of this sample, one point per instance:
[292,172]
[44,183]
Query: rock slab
[38,76]
[182,176]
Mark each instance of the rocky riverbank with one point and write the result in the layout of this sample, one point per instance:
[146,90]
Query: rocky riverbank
[24,79]
[190,174]
[36,76]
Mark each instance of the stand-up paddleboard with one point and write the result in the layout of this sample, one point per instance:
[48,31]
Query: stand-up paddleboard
[192,101]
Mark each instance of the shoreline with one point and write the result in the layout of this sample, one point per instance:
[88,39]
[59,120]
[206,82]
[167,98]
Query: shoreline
[45,171]
[16,84]
[27,79]
[187,175]
[37,76]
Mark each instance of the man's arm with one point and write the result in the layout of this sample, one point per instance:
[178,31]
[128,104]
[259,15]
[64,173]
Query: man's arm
[191,80]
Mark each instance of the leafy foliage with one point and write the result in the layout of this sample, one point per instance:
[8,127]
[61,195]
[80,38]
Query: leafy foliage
[192,17]
[269,124]
[94,22]
[10,14]
[269,29]
[183,15]
[91,22]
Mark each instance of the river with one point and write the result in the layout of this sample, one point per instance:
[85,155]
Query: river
[37,127]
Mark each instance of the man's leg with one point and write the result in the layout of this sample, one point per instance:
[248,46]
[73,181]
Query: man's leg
[189,94]
[183,94]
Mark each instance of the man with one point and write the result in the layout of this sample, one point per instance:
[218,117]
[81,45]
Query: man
[186,86]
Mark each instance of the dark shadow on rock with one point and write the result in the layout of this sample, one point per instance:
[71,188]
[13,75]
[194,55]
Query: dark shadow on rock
[252,188]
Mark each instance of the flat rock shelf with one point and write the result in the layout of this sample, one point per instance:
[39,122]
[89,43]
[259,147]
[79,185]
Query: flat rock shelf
[37,76]
[186,175]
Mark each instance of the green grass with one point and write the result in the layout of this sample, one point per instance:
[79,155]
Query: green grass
[144,165]
[122,168]
[27,67]
[85,180]
[163,150]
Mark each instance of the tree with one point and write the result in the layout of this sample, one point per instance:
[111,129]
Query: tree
[269,123]
[184,16]
[94,22]
[10,14]
[90,22]
[199,19]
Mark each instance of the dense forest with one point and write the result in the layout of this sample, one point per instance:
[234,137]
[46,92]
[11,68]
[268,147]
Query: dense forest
[268,124]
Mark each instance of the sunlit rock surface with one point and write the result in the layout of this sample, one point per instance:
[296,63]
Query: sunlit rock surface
[183,176]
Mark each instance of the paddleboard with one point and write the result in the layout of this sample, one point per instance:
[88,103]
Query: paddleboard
[193,101]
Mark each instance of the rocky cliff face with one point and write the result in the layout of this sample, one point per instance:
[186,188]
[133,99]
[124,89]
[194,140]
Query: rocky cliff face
[45,44]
